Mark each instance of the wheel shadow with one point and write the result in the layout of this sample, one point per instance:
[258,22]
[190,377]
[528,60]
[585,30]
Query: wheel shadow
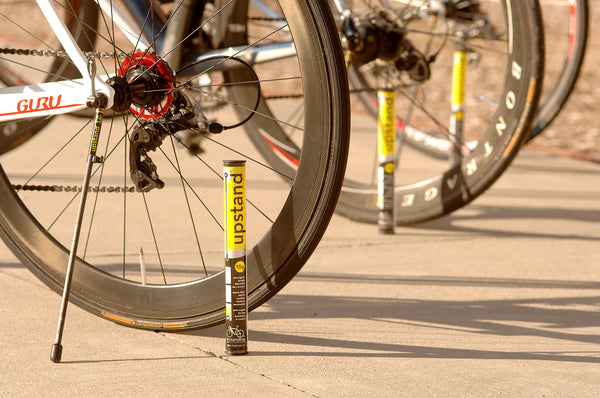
[570,319]
[483,217]
[544,318]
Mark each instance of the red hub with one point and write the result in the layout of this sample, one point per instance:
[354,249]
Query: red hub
[151,82]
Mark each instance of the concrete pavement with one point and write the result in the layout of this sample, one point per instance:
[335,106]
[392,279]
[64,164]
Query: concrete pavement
[501,298]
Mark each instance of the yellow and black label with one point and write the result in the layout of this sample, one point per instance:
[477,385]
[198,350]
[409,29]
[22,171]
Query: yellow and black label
[386,148]
[386,131]
[235,209]
[459,72]
[97,126]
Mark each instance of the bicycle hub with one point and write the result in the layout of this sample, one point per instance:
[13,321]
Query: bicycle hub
[150,85]
[378,36]
[374,36]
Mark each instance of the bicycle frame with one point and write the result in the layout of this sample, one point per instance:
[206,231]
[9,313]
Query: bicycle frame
[52,98]
[67,96]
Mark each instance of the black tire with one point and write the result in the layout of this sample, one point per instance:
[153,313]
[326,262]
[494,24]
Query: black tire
[296,212]
[560,83]
[431,188]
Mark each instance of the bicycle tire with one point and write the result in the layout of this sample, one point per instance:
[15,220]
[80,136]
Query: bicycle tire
[281,247]
[433,196]
[562,86]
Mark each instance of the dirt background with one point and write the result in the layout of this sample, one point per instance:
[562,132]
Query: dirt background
[576,130]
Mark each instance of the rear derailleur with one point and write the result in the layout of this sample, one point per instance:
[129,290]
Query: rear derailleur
[149,135]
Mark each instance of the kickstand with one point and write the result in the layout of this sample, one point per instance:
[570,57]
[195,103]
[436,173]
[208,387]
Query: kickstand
[56,353]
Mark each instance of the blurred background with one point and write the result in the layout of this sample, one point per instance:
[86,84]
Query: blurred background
[576,130]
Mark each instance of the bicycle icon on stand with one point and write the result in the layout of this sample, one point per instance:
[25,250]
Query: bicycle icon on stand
[237,332]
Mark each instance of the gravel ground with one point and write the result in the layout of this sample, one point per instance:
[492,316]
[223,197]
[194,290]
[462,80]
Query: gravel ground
[576,130]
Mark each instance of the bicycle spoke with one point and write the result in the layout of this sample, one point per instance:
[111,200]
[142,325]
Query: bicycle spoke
[162,269]
[187,201]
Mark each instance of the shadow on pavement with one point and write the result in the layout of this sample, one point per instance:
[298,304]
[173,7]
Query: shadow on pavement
[486,213]
[551,318]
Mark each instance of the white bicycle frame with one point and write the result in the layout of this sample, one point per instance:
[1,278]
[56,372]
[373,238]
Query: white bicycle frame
[53,98]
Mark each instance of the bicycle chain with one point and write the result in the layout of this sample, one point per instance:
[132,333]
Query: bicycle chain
[70,188]
[266,19]
[56,53]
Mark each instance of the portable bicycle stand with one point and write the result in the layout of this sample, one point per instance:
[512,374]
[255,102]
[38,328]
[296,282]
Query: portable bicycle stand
[236,287]
[56,352]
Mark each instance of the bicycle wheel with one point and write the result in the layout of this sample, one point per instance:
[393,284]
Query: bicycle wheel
[177,282]
[501,45]
[565,29]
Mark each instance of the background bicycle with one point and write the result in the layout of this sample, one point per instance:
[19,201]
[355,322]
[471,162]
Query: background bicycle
[565,24]
[477,148]
[364,25]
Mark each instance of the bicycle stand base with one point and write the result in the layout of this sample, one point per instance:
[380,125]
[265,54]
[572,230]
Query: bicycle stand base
[56,353]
